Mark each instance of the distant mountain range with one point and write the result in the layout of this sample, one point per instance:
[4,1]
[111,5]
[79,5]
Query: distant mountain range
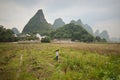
[85,26]
[73,32]
[15,30]
[103,34]
[38,24]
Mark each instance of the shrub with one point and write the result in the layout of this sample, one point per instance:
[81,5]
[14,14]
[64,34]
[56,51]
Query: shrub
[45,40]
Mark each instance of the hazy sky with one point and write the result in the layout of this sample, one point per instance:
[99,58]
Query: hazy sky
[99,14]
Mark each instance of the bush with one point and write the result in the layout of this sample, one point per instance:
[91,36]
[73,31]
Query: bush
[45,40]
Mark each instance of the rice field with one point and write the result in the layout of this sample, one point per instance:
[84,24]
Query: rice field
[77,61]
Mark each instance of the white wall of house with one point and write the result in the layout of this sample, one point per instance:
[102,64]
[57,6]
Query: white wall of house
[39,36]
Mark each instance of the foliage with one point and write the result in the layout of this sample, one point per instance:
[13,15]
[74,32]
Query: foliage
[73,32]
[45,40]
[31,37]
[98,39]
[6,35]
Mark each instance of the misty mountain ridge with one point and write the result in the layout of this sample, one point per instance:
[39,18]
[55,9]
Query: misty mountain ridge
[15,30]
[104,34]
[73,32]
[85,26]
[97,33]
[58,23]
[38,24]
[78,22]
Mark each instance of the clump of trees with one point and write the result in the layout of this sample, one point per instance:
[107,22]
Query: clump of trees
[98,39]
[45,40]
[25,37]
[7,35]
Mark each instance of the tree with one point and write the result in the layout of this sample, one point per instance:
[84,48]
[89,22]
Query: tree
[98,39]
[45,40]
[6,35]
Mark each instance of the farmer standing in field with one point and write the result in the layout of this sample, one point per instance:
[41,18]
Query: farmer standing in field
[57,54]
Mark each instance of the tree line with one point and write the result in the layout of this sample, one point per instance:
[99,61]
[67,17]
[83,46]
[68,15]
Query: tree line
[68,31]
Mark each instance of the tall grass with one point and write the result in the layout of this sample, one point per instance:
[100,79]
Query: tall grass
[78,61]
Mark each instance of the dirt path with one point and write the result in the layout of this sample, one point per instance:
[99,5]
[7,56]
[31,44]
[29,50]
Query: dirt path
[20,64]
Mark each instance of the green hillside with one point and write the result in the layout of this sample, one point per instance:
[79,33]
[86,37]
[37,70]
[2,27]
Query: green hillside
[37,24]
[73,32]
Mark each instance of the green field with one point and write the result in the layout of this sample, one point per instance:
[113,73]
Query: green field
[77,61]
